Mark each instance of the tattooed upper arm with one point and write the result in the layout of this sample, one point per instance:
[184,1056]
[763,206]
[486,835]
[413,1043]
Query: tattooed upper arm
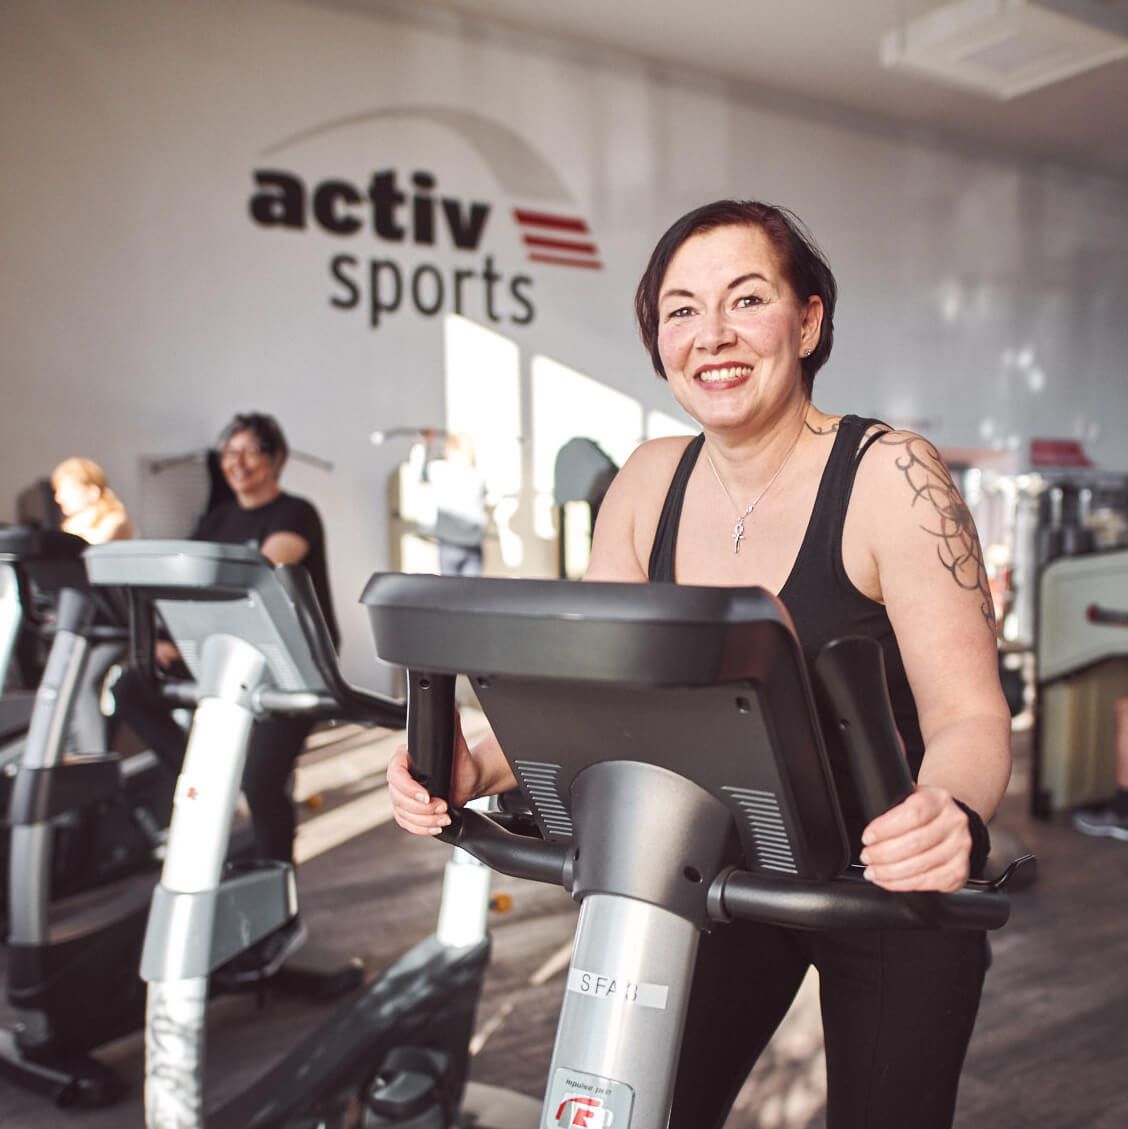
[941,512]
[930,573]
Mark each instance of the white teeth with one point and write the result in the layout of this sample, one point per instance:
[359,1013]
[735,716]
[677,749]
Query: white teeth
[720,375]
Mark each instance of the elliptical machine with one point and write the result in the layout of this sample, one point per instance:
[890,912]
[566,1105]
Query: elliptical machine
[82,832]
[255,640]
[98,836]
[626,708]
[55,558]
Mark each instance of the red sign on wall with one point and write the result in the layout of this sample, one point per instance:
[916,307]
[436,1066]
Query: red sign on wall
[1058,453]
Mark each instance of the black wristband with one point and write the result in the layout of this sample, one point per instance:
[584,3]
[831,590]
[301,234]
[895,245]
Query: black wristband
[980,840]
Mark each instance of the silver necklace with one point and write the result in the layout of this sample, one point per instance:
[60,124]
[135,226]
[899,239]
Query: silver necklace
[738,528]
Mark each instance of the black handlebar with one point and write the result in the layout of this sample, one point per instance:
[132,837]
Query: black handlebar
[601,693]
[851,678]
[848,902]
[291,703]
[430,729]
[851,675]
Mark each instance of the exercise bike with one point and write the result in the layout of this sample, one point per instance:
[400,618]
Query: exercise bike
[255,640]
[102,836]
[24,631]
[667,742]
[79,852]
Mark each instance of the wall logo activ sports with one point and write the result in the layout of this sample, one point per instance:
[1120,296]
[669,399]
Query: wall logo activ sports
[406,211]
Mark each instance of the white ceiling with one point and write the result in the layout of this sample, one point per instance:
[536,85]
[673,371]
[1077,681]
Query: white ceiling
[817,55]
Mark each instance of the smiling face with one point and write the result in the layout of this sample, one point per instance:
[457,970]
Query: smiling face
[250,472]
[731,330]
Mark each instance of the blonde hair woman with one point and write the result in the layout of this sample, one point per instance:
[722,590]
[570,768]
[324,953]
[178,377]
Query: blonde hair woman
[91,510]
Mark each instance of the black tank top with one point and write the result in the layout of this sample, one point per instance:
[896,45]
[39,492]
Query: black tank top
[818,594]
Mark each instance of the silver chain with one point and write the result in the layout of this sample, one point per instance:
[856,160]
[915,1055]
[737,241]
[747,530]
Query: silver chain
[738,528]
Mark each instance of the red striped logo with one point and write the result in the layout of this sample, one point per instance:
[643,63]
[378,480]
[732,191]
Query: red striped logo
[563,241]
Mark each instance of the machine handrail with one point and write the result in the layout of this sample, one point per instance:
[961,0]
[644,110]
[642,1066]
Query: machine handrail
[851,691]
[25,542]
[51,560]
[847,902]
[187,695]
[850,902]
[359,703]
[342,701]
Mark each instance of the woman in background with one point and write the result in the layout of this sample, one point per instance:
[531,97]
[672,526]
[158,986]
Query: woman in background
[91,510]
[285,529]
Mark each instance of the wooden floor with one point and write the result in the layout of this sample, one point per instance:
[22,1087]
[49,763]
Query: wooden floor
[1050,1049]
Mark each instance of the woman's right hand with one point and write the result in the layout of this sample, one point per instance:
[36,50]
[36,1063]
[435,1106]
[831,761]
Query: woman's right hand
[414,808]
[483,772]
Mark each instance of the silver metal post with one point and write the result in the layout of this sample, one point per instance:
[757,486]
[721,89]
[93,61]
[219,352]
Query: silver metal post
[619,1036]
[231,672]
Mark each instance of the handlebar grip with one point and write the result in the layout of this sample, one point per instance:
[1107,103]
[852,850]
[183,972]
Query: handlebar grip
[1113,617]
[107,633]
[519,856]
[851,674]
[185,695]
[74,612]
[296,702]
[430,729]
[850,903]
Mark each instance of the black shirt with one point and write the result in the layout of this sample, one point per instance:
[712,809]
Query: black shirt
[231,524]
[822,601]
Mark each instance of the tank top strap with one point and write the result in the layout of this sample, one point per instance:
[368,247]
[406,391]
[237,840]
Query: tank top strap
[665,545]
[824,533]
[855,451]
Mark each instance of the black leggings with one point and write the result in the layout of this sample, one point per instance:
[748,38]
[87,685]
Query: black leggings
[274,745]
[898,1008]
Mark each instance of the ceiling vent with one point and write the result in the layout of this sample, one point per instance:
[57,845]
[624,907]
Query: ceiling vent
[1005,48]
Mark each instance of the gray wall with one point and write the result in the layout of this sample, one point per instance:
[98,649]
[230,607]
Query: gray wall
[141,305]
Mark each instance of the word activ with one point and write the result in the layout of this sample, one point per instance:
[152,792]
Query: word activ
[335,204]
[396,215]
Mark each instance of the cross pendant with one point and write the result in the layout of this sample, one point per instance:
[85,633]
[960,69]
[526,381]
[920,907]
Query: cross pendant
[737,535]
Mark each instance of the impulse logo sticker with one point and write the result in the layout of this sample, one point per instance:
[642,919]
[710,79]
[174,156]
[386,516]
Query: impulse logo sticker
[412,214]
[577,1100]
[583,1113]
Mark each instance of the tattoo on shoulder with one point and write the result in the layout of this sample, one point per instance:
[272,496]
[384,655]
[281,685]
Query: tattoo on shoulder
[828,428]
[945,515]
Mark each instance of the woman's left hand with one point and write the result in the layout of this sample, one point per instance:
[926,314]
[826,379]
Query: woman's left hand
[923,843]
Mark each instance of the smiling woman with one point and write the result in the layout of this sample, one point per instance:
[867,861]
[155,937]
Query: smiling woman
[859,530]
[804,269]
[286,530]
[729,327]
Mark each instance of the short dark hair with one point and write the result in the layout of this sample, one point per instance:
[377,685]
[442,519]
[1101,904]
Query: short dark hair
[803,265]
[266,430]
